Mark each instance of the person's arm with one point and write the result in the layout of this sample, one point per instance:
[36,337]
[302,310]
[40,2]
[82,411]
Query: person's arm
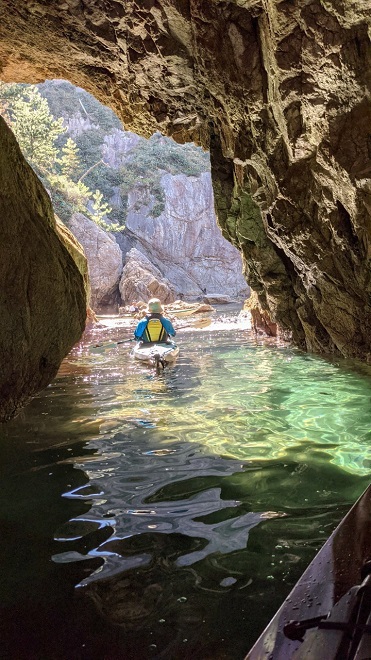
[168,327]
[138,332]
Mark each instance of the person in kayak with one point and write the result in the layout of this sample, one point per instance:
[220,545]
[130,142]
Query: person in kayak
[154,327]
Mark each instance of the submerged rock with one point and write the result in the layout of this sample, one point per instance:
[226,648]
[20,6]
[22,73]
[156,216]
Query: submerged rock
[218,299]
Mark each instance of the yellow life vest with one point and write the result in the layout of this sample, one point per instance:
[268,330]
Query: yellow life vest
[154,331]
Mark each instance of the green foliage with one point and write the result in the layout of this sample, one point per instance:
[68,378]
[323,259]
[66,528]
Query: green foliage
[38,133]
[150,160]
[99,207]
[100,211]
[35,127]
[71,102]
[67,196]
[9,92]
[69,160]
[157,209]
[73,162]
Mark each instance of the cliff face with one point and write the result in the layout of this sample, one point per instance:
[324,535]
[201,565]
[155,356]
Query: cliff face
[104,259]
[279,90]
[184,242]
[141,280]
[43,277]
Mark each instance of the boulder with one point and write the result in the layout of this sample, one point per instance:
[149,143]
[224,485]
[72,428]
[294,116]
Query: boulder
[218,299]
[104,259]
[141,280]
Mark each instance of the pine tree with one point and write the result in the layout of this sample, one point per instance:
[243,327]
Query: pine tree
[36,129]
[69,161]
[100,208]
[9,92]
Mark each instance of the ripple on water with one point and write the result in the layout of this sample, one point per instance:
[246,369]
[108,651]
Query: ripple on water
[260,405]
[222,475]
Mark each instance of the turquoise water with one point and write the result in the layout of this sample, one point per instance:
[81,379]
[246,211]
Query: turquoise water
[167,516]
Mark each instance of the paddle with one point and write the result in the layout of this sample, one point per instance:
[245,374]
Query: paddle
[99,348]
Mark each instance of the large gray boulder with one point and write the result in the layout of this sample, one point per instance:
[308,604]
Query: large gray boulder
[141,280]
[104,259]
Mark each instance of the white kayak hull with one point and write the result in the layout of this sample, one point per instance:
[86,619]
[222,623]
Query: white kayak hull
[152,353]
[181,313]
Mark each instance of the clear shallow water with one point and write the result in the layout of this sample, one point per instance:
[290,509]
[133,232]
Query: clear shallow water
[167,516]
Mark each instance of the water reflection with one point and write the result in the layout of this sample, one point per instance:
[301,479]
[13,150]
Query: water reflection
[183,506]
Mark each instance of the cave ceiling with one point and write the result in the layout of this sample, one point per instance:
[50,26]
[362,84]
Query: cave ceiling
[279,91]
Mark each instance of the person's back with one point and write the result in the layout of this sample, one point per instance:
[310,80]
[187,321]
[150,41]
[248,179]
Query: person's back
[154,327]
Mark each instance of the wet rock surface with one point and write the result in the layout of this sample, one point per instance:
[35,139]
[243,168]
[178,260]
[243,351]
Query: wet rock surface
[279,92]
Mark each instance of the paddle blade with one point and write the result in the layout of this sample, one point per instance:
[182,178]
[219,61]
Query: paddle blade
[100,348]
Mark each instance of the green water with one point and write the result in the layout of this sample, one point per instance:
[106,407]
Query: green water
[168,516]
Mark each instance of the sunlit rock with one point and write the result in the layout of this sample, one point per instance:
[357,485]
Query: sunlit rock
[43,278]
[141,280]
[260,320]
[280,93]
[184,242]
[104,259]
[217,299]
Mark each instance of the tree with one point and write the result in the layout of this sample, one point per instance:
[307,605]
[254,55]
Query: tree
[67,196]
[35,128]
[100,211]
[100,208]
[69,161]
[8,93]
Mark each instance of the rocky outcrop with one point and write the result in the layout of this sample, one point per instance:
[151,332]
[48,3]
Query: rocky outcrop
[260,320]
[76,251]
[117,145]
[141,280]
[104,260]
[279,92]
[43,276]
[185,242]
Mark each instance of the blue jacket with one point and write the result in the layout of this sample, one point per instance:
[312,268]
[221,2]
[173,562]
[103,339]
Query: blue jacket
[143,324]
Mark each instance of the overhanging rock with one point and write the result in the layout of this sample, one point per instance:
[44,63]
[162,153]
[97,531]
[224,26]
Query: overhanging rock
[280,93]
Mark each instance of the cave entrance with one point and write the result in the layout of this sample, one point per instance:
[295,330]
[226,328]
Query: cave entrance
[142,209]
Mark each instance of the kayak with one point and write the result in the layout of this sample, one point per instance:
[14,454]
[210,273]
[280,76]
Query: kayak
[156,354]
[181,313]
[327,615]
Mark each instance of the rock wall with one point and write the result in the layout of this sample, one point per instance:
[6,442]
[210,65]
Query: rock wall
[184,242]
[43,279]
[280,92]
[104,260]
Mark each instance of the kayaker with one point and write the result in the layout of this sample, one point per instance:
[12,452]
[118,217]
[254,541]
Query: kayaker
[154,327]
